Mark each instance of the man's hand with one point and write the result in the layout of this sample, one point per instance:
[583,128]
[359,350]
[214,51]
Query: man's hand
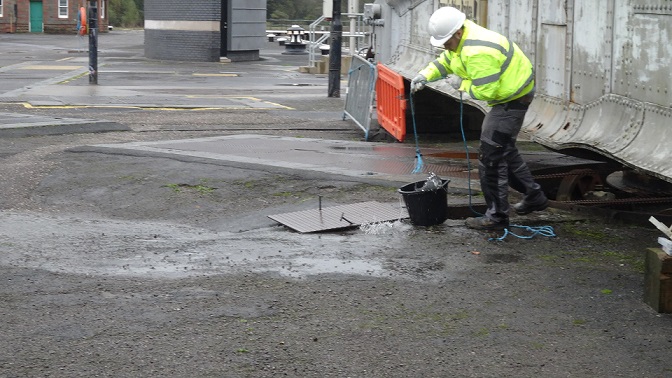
[418,83]
[455,81]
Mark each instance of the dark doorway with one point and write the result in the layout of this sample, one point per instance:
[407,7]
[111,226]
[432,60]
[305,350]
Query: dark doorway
[224,27]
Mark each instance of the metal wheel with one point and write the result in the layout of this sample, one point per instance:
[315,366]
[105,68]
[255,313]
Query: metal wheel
[577,183]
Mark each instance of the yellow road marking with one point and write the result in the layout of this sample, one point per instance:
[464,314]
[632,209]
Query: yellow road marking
[216,75]
[186,108]
[242,98]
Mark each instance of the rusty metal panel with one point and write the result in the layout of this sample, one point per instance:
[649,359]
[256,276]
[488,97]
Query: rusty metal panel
[553,50]
[591,57]
[340,217]
[621,86]
[650,150]
[644,51]
[608,125]
[522,30]
[553,12]
[551,61]
[546,116]
[498,17]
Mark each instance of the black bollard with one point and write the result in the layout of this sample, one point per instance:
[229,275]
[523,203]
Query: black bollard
[93,42]
[335,52]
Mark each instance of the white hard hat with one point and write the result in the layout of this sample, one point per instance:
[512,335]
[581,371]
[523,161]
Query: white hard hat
[443,23]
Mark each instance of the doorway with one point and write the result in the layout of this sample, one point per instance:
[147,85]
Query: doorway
[36,17]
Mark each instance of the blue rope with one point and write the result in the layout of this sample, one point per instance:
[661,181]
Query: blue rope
[541,230]
[466,150]
[419,164]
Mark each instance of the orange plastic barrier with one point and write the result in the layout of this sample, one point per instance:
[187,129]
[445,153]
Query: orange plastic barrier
[81,27]
[391,102]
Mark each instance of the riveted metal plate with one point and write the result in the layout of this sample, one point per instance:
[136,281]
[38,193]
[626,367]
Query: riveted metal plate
[340,217]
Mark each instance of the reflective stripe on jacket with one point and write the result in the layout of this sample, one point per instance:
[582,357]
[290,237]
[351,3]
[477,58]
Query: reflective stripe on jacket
[493,68]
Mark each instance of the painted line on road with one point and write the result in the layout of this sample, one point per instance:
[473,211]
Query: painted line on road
[147,107]
[249,98]
[51,68]
[216,75]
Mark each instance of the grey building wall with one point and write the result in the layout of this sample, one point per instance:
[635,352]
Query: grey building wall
[182,45]
[191,30]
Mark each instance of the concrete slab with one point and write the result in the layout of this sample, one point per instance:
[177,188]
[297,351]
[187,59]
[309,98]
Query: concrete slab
[361,161]
[13,125]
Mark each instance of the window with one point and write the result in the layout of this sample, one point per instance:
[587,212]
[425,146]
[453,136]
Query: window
[0,8]
[102,9]
[62,8]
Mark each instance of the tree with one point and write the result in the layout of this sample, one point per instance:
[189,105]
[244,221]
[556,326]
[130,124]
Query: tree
[140,4]
[124,13]
[293,9]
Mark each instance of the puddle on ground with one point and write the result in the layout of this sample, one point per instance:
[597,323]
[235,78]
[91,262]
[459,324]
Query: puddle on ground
[166,250]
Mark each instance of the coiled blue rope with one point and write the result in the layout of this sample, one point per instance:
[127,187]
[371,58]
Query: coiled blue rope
[534,231]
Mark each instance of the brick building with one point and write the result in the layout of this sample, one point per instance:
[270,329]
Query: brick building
[46,16]
[204,30]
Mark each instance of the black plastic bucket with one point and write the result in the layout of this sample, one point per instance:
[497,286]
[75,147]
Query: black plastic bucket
[426,208]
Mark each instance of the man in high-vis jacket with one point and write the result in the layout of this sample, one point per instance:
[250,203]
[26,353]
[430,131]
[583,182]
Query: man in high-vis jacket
[489,67]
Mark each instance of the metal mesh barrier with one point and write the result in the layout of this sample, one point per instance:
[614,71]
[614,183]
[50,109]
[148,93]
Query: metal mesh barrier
[359,99]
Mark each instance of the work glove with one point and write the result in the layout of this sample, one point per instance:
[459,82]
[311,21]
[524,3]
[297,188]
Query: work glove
[455,81]
[418,83]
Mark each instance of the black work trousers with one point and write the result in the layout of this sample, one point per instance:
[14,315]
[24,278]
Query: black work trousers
[500,164]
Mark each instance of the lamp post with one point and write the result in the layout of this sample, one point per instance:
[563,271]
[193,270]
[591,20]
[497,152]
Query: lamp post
[93,41]
[334,89]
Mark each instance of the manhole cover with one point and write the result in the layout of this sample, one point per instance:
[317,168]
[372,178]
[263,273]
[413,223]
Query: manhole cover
[340,217]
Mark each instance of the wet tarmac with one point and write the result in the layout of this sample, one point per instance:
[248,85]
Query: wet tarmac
[58,81]
[127,80]
[159,250]
[135,237]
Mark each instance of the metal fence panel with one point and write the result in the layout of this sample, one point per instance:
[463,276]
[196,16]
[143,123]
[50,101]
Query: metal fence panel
[359,100]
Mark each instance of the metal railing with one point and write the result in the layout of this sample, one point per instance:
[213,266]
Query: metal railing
[357,36]
[314,43]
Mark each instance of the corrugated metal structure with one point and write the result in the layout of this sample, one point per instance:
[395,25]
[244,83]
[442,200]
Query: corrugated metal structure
[604,82]
[204,30]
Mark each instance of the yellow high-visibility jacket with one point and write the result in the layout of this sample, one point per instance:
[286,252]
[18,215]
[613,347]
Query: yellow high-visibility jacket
[493,68]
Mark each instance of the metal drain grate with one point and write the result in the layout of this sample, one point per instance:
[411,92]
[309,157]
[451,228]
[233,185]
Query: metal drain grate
[340,217]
